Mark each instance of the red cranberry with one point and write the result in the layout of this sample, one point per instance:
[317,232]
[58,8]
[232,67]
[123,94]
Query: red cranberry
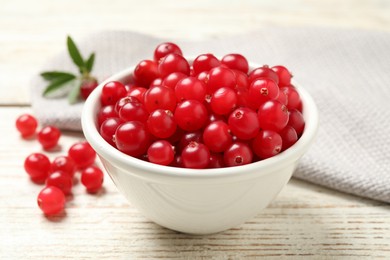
[205,62]
[48,137]
[173,63]
[64,164]
[38,166]
[132,138]
[26,125]
[161,152]
[195,155]
[166,48]
[61,180]
[236,61]
[92,178]
[112,92]
[145,72]
[82,154]
[51,200]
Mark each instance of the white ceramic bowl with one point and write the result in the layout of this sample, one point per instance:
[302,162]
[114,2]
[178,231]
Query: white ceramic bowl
[197,201]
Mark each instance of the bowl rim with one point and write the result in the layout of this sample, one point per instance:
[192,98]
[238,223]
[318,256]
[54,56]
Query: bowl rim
[151,170]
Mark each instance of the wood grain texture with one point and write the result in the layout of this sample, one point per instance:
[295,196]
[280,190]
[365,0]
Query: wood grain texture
[304,222]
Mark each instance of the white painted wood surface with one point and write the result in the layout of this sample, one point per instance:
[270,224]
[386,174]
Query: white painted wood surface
[305,221]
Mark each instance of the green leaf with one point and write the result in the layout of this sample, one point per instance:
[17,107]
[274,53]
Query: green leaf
[74,94]
[89,62]
[75,54]
[53,75]
[58,83]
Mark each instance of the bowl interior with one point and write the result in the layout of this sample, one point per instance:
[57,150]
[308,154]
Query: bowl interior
[111,154]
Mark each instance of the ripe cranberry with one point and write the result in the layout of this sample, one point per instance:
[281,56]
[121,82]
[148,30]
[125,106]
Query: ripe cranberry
[205,62]
[145,72]
[189,137]
[263,72]
[297,121]
[219,77]
[267,144]
[190,88]
[48,137]
[159,97]
[217,136]
[82,154]
[112,92]
[87,86]
[64,164]
[92,178]
[191,115]
[238,154]
[283,74]
[166,48]
[236,61]
[171,80]
[134,111]
[51,200]
[132,138]
[123,101]
[108,129]
[138,93]
[161,123]
[195,155]
[61,180]
[223,101]
[161,152]
[37,165]
[26,124]
[273,115]
[289,137]
[244,123]
[105,113]
[293,98]
[173,63]
[260,91]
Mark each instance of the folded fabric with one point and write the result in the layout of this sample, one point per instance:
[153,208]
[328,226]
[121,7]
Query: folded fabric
[346,71]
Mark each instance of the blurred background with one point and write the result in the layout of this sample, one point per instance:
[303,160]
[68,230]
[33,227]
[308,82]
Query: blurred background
[33,31]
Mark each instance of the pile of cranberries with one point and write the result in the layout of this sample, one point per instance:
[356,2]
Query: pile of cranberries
[58,175]
[209,114]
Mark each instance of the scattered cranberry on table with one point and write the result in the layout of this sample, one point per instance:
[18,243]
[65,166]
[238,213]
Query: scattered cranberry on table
[37,165]
[82,154]
[210,113]
[59,175]
[61,180]
[49,136]
[51,200]
[92,179]
[64,164]
[27,125]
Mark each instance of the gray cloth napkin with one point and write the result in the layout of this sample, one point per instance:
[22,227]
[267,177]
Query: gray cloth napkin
[346,71]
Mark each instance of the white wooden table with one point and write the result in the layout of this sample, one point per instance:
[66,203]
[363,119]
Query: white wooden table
[305,221]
